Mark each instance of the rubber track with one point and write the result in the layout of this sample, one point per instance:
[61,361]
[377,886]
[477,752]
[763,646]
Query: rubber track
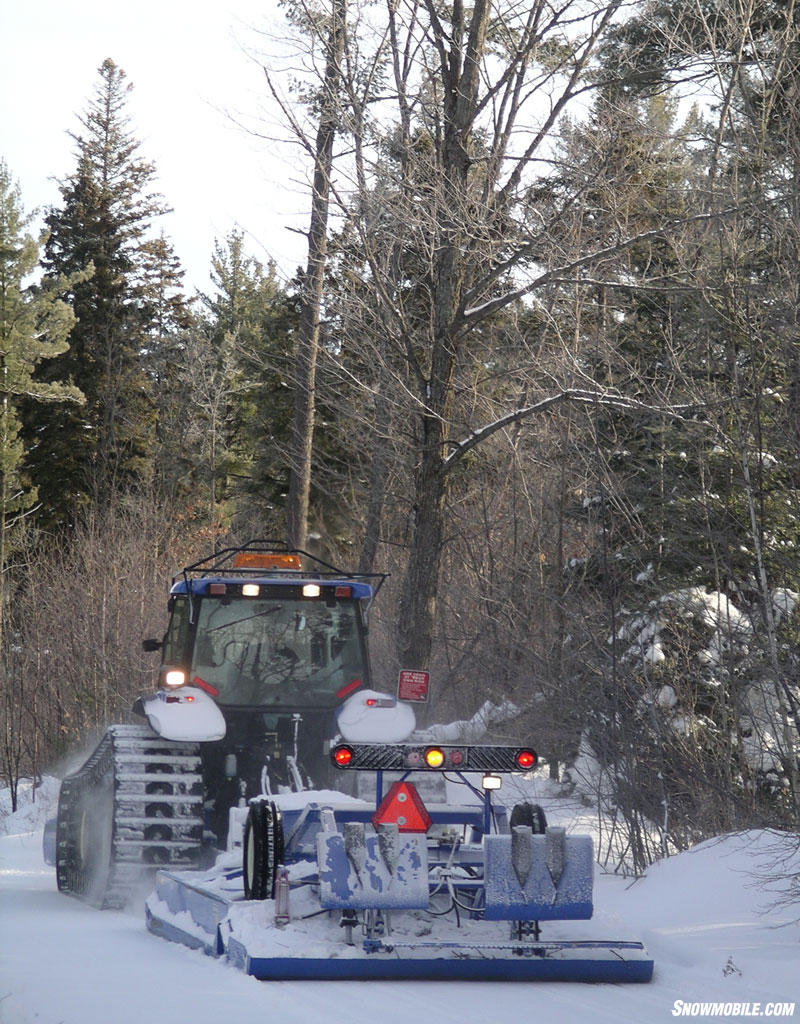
[143,796]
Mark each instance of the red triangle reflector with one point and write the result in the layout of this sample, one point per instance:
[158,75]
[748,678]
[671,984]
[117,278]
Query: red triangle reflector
[403,806]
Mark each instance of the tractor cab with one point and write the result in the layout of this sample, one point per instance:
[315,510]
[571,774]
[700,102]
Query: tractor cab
[264,642]
[277,639]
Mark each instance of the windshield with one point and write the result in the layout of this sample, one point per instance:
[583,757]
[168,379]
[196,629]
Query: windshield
[279,651]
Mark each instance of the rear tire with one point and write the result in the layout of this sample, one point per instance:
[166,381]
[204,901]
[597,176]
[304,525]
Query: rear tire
[531,815]
[262,850]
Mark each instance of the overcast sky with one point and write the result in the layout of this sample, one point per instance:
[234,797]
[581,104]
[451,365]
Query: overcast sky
[189,66]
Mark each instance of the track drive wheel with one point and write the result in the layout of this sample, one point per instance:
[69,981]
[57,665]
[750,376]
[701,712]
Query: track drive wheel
[262,850]
[531,815]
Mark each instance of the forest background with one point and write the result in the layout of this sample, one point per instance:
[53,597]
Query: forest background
[542,365]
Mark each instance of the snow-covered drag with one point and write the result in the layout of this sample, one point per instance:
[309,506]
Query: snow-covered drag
[711,918]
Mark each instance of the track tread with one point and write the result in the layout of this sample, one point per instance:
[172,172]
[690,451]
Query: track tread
[150,784]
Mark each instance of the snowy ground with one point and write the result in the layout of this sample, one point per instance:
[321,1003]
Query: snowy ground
[704,915]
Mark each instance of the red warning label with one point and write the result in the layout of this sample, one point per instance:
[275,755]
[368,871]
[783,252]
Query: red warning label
[413,685]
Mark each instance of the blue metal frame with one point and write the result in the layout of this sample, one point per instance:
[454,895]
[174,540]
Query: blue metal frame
[512,876]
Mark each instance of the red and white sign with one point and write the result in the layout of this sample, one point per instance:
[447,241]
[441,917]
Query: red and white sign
[413,685]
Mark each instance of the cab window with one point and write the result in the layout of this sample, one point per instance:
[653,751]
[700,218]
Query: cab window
[259,652]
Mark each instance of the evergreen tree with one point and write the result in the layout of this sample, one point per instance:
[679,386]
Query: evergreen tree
[106,213]
[171,319]
[694,518]
[34,326]
[225,413]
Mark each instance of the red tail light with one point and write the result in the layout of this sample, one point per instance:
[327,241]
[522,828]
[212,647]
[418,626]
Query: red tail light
[342,756]
[526,759]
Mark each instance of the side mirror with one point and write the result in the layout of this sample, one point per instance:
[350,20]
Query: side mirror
[151,644]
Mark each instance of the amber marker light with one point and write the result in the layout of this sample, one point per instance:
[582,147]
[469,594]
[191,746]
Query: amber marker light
[434,757]
[266,560]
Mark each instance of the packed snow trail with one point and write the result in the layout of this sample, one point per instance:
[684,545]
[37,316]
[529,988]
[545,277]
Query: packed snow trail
[62,962]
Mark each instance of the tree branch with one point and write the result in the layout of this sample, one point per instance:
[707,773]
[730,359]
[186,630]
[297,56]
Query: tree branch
[576,395]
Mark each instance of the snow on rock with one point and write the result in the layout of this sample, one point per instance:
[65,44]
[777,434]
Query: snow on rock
[666,697]
[587,775]
[784,602]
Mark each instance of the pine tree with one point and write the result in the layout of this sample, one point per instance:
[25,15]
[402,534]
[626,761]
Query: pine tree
[34,326]
[224,406]
[250,322]
[708,314]
[106,213]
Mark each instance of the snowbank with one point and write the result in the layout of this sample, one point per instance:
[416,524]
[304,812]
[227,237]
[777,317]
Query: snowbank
[35,806]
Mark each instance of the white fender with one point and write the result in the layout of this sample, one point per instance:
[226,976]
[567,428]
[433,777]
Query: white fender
[186,713]
[372,717]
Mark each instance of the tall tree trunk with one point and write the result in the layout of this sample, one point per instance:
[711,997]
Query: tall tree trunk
[460,64]
[308,327]
[421,580]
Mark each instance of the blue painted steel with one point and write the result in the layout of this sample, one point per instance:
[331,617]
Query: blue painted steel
[589,961]
[621,963]
[358,590]
[538,898]
[301,825]
[184,900]
[166,928]
[372,877]
[518,877]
